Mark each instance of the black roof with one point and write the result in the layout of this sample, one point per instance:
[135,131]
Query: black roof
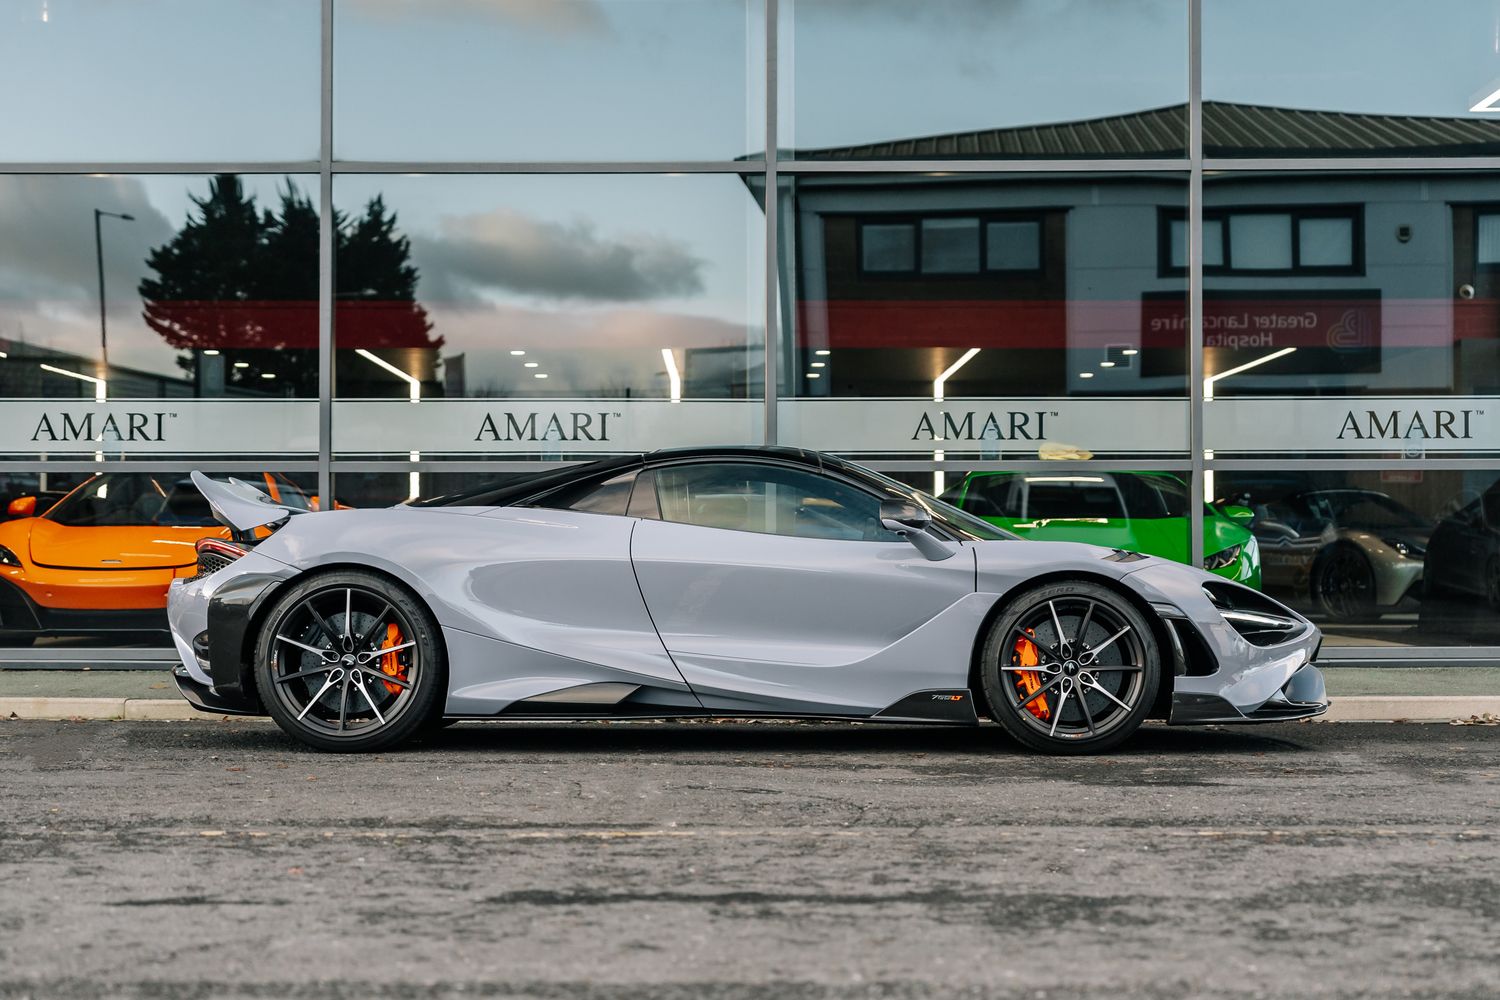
[506,494]
[1229,129]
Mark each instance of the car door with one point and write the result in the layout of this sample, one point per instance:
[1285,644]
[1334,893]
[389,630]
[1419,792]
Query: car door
[775,589]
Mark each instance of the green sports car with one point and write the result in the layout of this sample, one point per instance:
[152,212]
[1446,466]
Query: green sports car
[1141,511]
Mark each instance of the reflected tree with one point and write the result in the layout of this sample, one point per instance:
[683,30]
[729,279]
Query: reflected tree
[236,289]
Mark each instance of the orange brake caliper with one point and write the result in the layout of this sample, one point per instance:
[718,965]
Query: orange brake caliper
[388,664]
[1030,680]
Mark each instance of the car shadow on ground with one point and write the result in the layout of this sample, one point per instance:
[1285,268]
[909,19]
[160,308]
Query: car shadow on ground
[681,738]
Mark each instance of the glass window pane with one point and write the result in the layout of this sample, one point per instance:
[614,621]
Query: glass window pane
[96,554]
[1177,240]
[1260,242]
[546,314]
[551,80]
[1013,246]
[1410,80]
[1488,250]
[888,247]
[1325,242]
[950,246]
[1213,243]
[1400,554]
[1397,355]
[208,343]
[985,362]
[160,80]
[974,78]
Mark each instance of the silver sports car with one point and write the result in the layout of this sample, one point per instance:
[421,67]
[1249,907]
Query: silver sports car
[712,582]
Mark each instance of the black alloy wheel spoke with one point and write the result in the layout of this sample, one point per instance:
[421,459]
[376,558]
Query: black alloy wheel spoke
[1041,691]
[1050,651]
[369,634]
[1088,715]
[309,672]
[322,623]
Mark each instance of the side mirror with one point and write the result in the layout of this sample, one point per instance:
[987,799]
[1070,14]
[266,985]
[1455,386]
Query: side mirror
[911,521]
[22,507]
[1243,515]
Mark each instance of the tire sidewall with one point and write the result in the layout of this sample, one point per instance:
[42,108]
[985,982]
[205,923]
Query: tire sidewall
[1364,612]
[430,688]
[996,647]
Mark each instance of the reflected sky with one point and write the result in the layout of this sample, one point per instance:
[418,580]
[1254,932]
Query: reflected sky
[1436,57]
[548,79]
[858,71]
[159,80]
[621,263]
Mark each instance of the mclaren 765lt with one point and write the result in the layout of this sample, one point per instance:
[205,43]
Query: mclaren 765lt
[713,582]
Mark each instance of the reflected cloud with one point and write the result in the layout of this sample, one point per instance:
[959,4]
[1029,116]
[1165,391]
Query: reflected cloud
[508,251]
[502,327]
[558,17]
[48,252]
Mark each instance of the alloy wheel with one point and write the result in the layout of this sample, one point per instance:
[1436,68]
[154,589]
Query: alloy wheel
[1073,668]
[1346,584]
[344,662]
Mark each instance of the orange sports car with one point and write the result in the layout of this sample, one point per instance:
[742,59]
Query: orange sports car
[99,561]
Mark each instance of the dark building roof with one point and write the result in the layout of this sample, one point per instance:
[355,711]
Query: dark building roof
[1228,130]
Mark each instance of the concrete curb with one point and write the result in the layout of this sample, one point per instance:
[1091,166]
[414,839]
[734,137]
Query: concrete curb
[130,709]
[1359,708]
[1411,708]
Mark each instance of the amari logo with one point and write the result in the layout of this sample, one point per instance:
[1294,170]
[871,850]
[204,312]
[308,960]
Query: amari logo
[1003,425]
[1408,425]
[124,426]
[575,425]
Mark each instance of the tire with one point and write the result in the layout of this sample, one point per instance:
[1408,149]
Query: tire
[328,685]
[1113,682]
[1343,584]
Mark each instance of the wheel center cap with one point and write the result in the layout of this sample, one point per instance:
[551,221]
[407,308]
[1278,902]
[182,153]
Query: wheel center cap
[348,659]
[1070,668]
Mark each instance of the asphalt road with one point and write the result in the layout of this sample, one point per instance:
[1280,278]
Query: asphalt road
[215,860]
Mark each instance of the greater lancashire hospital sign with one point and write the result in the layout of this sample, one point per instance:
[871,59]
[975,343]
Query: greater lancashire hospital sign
[993,429]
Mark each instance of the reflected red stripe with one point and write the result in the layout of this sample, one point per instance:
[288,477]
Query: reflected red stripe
[289,325]
[1051,325]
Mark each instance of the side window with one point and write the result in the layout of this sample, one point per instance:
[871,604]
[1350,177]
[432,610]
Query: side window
[770,500]
[1492,509]
[609,497]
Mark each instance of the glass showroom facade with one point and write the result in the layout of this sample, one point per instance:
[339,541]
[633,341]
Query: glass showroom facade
[1175,275]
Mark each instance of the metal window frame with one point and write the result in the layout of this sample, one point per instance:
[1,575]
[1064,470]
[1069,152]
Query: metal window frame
[767,167]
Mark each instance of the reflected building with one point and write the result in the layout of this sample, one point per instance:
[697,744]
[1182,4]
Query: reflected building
[971,242]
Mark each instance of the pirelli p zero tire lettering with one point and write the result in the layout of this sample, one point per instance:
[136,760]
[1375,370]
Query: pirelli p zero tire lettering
[349,661]
[1071,667]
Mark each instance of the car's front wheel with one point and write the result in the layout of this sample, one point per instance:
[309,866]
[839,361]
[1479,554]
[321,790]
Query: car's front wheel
[349,661]
[1071,667]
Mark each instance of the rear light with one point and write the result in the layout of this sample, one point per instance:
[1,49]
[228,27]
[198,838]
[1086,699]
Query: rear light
[215,553]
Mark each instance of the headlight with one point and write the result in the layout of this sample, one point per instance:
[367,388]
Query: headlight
[8,558]
[1405,548]
[1222,558]
[1259,620]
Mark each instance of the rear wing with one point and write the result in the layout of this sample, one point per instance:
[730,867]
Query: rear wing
[241,507]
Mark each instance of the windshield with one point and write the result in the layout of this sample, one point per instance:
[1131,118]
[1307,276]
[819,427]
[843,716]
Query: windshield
[1357,509]
[960,523]
[125,499]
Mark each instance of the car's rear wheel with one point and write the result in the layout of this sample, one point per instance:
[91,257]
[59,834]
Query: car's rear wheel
[1343,584]
[349,661]
[1071,667]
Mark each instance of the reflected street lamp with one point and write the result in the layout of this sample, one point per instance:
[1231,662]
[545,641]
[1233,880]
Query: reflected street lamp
[99,213]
